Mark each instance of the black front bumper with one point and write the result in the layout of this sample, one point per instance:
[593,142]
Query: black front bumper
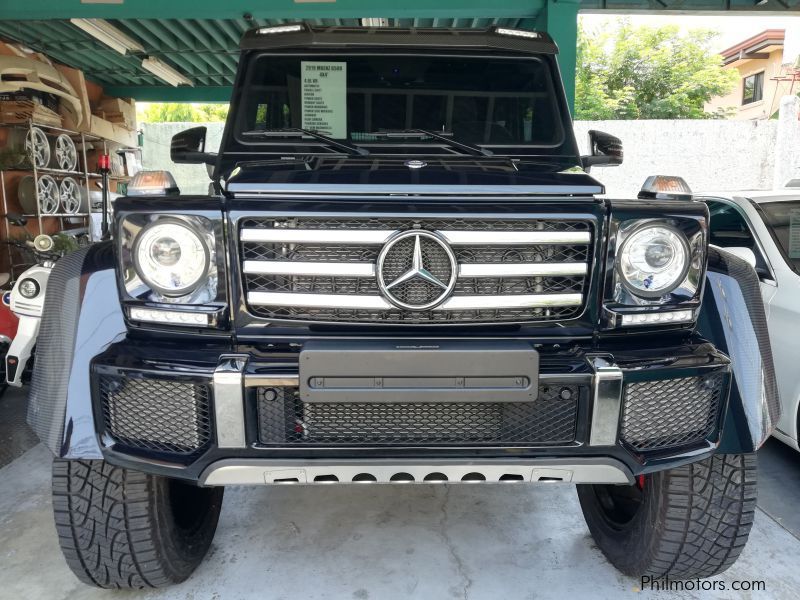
[177,411]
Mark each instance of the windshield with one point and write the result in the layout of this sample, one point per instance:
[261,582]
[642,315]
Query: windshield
[783,220]
[385,101]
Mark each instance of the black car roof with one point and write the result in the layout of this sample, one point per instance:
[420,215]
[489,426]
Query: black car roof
[308,36]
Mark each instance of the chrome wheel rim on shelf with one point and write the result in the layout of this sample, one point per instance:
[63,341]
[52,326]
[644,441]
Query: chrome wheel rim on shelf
[49,195]
[38,147]
[70,196]
[66,153]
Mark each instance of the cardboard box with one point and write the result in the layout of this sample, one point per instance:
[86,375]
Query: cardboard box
[50,101]
[117,110]
[21,111]
[110,131]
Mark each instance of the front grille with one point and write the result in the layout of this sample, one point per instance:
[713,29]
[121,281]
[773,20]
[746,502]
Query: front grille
[156,414]
[671,412]
[285,420]
[324,269]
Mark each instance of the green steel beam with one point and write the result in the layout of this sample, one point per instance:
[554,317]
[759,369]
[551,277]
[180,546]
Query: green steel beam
[165,93]
[354,9]
[559,18]
[264,9]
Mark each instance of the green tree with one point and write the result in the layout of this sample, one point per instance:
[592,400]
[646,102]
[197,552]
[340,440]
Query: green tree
[168,112]
[648,73]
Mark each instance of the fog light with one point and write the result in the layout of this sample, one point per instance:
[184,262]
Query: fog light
[673,316]
[172,317]
[28,288]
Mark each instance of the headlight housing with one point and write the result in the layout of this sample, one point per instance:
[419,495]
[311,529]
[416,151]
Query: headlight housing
[656,263]
[653,260]
[171,257]
[172,266]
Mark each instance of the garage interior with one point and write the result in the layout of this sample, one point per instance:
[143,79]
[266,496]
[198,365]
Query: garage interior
[350,541]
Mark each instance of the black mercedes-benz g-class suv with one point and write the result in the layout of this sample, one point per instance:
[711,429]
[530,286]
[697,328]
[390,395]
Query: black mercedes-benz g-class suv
[404,274]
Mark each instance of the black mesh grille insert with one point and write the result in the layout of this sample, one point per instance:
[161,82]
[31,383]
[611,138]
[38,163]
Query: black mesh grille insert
[671,412]
[156,414]
[285,420]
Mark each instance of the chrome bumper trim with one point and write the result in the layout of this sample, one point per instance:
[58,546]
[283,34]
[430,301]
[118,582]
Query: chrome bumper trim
[229,401]
[607,392]
[281,380]
[269,472]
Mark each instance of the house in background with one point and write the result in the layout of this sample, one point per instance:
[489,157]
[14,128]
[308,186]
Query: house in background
[765,76]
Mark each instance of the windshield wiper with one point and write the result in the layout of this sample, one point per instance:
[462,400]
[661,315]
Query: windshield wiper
[288,131]
[442,137]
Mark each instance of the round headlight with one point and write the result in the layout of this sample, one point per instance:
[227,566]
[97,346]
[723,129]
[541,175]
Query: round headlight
[28,288]
[171,258]
[653,260]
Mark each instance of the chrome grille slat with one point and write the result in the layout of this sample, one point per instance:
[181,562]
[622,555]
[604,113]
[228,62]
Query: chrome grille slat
[323,268]
[365,269]
[354,301]
[381,236]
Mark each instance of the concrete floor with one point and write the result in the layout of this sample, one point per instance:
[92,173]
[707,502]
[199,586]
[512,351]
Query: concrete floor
[385,542]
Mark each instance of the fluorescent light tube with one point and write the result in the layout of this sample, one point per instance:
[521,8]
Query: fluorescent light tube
[163,71]
[109,35]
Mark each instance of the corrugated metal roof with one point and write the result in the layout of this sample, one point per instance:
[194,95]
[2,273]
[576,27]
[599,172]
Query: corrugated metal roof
[204,50]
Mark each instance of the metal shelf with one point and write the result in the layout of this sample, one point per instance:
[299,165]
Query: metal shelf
[84,135]
[59,215]
[82,140]
[60,172]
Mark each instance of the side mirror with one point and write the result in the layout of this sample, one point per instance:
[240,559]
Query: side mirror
[188,147]
[605,150]
[745,254]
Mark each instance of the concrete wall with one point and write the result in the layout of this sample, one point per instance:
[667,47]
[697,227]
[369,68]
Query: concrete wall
[192,179]
[710,155]
[787,143]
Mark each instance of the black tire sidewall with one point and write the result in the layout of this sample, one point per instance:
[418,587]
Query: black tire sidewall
[629,547]
[183,549]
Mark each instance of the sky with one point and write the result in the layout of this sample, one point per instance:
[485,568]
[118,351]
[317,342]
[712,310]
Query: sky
[732,29]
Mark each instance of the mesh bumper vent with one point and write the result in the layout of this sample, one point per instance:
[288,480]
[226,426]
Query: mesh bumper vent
[159,415]
[285,420]
[672,412]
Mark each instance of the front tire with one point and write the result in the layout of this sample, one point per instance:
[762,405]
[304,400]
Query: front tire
[120,528]
[688,522]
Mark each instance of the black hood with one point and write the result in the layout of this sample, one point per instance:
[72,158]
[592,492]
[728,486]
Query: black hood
[429,174]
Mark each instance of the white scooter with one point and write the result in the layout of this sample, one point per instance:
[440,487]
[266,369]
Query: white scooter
[27,303]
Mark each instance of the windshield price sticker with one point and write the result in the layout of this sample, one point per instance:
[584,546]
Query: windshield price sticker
[325,97]
[794,233]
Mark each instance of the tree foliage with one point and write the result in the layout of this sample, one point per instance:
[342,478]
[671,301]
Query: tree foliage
[170,112]
[648,73]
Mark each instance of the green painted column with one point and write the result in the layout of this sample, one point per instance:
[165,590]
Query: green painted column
[559,18]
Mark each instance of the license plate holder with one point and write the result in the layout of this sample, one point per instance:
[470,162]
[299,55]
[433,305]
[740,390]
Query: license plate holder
[412,372]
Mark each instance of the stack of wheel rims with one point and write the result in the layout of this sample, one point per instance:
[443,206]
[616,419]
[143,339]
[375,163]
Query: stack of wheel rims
[59,154]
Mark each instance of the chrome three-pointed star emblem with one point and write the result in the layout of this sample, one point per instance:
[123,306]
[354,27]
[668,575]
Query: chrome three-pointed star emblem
[416,270]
